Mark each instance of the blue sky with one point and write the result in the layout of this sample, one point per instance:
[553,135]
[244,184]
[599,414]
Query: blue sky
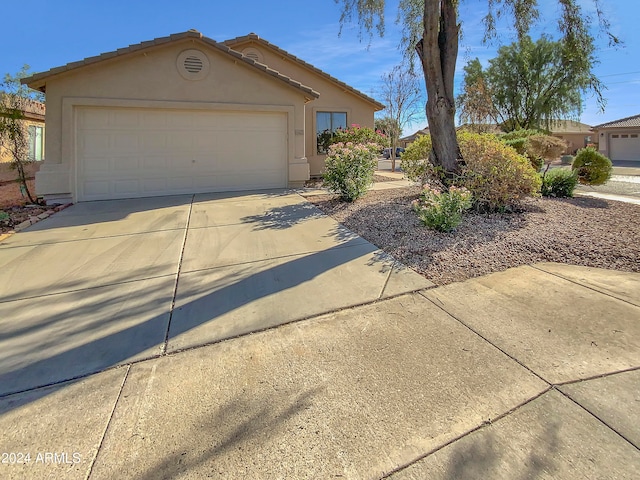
[50,33]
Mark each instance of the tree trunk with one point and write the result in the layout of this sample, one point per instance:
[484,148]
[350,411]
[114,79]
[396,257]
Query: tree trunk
[440,41]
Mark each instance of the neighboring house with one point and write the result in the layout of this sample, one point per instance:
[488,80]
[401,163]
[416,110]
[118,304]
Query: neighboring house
[33,113]
[404,142]
[576,134]
[186,114]
[620,139]
[491,128]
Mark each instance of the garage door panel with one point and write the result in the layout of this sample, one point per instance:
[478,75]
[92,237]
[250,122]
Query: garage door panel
[124,153]
[624,146]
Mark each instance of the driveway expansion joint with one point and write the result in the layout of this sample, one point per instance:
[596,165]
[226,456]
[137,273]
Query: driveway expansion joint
[441,307]
[603,292]
[485,424]
[106,427]
[175,286]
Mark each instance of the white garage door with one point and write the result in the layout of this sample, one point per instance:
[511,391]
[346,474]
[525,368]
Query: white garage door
[624,146]
[137,152]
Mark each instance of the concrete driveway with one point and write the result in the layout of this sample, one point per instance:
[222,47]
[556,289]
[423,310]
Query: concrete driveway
[106,283]
[112,363]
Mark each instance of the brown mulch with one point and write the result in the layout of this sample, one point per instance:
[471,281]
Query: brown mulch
[578,231]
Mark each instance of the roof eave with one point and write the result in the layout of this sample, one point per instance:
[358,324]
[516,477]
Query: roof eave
[252,37]
[38,81]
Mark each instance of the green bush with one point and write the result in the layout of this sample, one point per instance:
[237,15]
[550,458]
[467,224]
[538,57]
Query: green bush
[415,161]
[592,167]
[349,169]
[559,182]
[442,211]
[497,176]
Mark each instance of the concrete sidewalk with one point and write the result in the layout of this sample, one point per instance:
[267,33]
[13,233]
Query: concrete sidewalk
[529,373]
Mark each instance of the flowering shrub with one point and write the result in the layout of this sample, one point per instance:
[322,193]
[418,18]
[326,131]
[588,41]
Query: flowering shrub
[349,169]
[442,211]
[363,135]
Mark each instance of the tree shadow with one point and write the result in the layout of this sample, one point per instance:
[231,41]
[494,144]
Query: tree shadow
[483,455]
[99,313]
[241,419]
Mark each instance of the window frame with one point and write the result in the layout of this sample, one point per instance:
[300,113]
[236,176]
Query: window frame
[36,139]
[333,126]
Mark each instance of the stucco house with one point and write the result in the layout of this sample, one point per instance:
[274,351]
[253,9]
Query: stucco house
[620,139]
[576,134]
[186,114]
[33,115]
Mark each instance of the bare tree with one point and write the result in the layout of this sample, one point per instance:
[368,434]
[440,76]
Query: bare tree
[400,93]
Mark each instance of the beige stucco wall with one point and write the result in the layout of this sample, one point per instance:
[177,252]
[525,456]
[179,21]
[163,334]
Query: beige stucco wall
[333,97]
[575,141]
[150,79]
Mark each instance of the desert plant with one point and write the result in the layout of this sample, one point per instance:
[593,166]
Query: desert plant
[349,169]
[559,182]
[592,167]
[416,165]
[497,176]
[440,210]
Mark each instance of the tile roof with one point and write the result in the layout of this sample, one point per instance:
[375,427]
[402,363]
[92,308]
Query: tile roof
[569,126]
[255,38]
[633,121]
[38,80]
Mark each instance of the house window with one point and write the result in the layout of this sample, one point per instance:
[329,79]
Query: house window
[614,136]
[36,143]
[624,136]
[326,124]
[634,135]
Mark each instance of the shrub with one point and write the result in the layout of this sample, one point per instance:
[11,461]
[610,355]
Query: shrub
[559,182]
[520,141]
[592,167]
[442,211]
[362,135]
[349,169]
[497,176]
[415,161]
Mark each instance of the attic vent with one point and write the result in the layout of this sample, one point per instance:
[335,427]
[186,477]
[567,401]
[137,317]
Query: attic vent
[254,54]
[193,65]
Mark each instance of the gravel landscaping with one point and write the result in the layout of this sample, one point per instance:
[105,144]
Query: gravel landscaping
[578,231]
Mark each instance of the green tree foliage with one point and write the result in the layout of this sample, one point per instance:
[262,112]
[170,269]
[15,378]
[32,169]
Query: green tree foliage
[528,85]
[431,29]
